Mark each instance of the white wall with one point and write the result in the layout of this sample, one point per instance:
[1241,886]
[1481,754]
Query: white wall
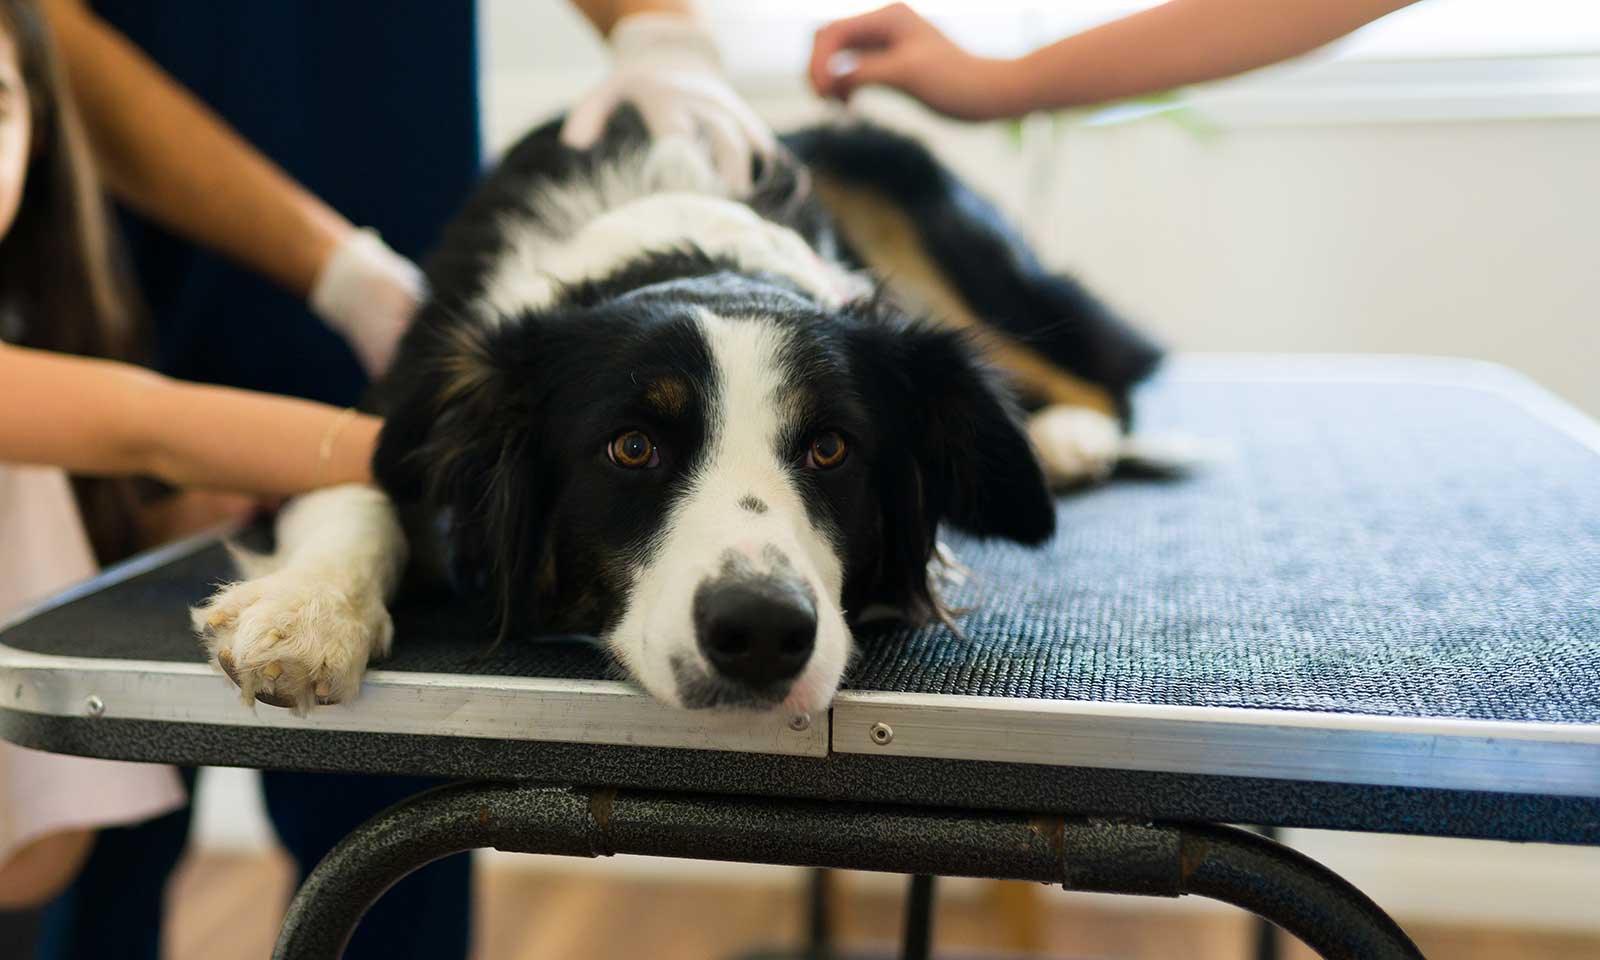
[1351,205]
[1475,239]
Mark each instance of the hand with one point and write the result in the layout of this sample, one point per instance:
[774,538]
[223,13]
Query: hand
[368,293]
[895,47]
[668,68]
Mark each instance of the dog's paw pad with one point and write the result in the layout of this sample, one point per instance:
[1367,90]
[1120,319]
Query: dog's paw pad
[292,640]
[1075,445]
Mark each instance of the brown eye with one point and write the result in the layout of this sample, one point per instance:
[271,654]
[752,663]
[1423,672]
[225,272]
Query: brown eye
[827,451]
[633,450]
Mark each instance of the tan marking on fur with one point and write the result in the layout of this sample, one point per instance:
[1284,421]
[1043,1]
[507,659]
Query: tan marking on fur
[467,366]
[881,233]
[668,394]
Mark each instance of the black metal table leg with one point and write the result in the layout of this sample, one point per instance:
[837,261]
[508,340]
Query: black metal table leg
[1090,854]
[1266,947]
[819,916]
[917,943]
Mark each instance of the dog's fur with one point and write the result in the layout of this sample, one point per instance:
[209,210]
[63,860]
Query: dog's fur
[694,427]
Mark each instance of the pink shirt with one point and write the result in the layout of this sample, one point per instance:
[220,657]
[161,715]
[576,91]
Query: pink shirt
[43,548]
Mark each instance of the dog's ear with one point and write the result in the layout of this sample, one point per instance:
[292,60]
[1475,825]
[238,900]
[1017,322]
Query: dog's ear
[979,472]
[955,452]
[460,438]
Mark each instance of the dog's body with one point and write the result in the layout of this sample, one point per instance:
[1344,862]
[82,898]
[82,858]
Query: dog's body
[635,408]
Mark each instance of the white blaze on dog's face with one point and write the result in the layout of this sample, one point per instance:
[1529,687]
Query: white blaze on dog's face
[711,473]
[738,603]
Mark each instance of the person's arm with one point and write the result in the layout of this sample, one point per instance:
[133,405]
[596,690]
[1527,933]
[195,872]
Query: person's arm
[167,155]
[1177,43]
[37,873]
[101,418]
[665,63]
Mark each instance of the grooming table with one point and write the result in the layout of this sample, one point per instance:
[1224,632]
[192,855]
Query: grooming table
[1378,610]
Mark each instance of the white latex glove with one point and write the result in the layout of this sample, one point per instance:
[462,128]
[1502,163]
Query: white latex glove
[667,66]
[368,293]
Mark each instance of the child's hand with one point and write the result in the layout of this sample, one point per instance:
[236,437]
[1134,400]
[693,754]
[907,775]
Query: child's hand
[895,47]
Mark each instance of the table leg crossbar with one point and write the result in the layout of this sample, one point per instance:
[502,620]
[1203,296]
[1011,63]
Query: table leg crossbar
[1080,853]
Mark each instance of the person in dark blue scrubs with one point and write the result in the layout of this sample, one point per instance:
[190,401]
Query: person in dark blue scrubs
[266,129]
[374,109]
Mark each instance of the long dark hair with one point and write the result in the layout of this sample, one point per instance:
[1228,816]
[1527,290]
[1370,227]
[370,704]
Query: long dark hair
[62,283]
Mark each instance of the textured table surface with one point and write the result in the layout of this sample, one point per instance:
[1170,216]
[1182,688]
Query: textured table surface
[1401,538]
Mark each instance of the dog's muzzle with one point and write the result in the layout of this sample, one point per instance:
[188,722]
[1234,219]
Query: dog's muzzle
[755,631]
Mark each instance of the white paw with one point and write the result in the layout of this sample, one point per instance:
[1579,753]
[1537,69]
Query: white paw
[1075,445]
[294,638]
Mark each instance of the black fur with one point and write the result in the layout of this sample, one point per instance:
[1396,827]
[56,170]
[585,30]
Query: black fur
[984,258]
[495,435]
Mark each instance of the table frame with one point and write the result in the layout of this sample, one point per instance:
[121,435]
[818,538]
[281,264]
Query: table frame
[1079,853]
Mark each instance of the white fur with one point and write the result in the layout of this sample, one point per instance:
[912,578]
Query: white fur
[665,199]
[1075,445]
[741,461]
[310,616]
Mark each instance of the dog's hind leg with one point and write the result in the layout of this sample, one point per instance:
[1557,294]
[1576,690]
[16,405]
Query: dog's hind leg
[951,252]
[303,627]
[1075,445]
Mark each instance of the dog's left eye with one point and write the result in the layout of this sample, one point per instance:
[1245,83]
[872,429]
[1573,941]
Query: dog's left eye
[633,450]
[827,451]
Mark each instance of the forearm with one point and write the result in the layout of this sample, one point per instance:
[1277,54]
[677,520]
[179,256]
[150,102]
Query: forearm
[1179,43]
[102,418]
[604,14]
[168,156]
[227,439]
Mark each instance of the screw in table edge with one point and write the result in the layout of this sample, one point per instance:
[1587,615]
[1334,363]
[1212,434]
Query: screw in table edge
[800,722]
[94,705]
[881,733]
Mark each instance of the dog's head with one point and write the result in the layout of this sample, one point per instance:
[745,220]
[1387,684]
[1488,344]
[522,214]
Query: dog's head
[712,475]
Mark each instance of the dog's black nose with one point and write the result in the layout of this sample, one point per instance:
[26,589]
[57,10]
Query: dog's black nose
[757,632]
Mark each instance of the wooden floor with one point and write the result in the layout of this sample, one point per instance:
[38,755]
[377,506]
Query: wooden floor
[227,907]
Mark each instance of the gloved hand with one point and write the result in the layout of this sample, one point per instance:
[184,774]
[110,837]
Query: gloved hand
[368,293]
[667,66]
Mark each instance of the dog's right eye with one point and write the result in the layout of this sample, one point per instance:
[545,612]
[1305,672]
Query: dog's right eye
[827,451]
[633,450]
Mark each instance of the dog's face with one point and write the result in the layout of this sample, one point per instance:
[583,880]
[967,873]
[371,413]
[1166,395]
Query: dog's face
[712,475]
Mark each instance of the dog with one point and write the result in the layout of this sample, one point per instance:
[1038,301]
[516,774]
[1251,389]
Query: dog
[713,432]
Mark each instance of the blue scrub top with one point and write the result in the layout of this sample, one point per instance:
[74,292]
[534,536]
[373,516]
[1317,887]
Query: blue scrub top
[371,104]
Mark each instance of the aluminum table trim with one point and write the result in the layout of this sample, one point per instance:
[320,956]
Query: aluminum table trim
[1547,759]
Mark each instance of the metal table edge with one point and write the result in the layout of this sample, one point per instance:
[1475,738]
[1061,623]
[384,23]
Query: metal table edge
[1542,759]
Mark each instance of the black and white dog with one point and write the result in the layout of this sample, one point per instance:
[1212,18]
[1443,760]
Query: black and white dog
[693,426]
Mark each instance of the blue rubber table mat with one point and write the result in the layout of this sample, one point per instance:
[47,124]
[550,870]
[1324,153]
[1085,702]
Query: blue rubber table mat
[1421,549]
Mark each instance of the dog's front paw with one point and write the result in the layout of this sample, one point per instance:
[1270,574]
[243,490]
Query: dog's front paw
[1075,445]
[293,638]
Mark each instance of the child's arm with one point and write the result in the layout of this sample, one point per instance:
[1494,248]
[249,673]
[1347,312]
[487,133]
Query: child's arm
[1172,45]
[102,418]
